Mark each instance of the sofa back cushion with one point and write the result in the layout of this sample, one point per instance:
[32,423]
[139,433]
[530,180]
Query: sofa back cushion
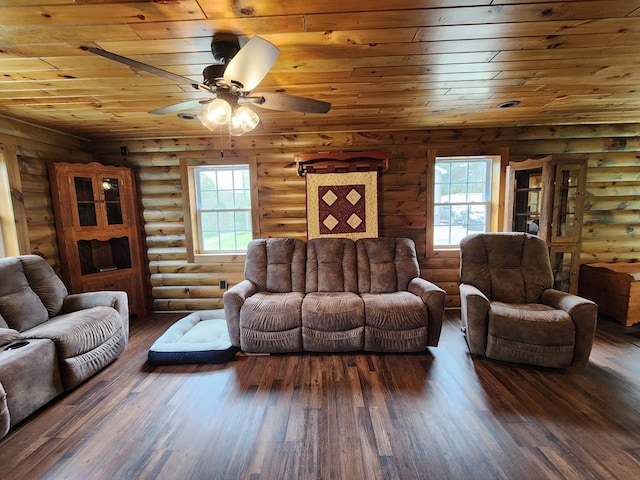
[507,267]
[20,306]
[331,265]
[276,265]
[386,265]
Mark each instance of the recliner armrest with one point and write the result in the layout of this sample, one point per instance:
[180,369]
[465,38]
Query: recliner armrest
[585,317]
[433,297]
[233,300]
[474,306]
[105,298]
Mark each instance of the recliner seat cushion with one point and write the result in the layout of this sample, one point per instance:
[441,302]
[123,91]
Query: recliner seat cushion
[271,322]
[86,341]
[332,322]
[530,333]
[395,322]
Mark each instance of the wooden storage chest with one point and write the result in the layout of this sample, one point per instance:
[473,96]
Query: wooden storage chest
[615,287]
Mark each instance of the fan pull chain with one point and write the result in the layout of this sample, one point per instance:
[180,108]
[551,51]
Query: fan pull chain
[221,149]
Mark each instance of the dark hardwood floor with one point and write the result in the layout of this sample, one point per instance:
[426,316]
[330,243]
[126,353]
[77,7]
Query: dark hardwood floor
[436,415]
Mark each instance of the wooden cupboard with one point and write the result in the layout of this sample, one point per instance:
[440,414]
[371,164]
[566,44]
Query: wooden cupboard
[98,230]
[545,197]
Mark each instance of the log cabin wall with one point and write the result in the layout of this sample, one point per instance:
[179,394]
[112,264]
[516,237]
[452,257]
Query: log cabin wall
[612,212]
[26,149]
[611,221]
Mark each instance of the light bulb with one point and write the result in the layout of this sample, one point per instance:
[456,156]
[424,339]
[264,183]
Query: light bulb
[215,113]
[242,121]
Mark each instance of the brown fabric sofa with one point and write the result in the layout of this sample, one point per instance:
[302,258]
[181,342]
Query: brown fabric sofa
[510,312]
[67,338]
[333,295]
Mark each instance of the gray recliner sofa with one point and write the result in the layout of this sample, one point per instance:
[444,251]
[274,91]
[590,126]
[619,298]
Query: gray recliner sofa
[51,341]
[333,295]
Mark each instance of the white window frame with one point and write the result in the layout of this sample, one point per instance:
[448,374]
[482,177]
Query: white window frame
[491,205]
[196,253]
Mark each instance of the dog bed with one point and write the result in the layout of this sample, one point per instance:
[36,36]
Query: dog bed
[200,337]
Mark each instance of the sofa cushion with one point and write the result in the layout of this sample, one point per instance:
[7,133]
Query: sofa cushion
[20,306]
[79,332]
[386,265]
[22,309]
[331,265]
[395,322]
[332,322]
[271,322]
[276,265]
[45,283]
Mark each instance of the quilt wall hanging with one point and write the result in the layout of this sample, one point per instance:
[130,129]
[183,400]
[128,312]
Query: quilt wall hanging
[342,195]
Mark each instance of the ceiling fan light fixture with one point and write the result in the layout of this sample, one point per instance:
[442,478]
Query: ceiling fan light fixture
[215,113]
[242,121]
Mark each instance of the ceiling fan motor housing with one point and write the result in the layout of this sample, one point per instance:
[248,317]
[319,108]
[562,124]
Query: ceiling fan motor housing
[224,47]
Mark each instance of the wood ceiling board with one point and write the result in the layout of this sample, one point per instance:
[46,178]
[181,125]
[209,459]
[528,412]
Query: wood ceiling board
[206,28]
[498,14]
[29,35]
[227,8]
[100,14]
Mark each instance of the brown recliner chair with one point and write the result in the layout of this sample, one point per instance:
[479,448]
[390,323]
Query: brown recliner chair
[510,312]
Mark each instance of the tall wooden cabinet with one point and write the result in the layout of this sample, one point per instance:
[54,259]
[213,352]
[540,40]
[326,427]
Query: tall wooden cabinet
[545,197]
[98,231]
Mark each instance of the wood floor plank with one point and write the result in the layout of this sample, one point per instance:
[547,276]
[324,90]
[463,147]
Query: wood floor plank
[438,414]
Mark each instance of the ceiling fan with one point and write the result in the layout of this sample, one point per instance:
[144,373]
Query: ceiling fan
[237,71]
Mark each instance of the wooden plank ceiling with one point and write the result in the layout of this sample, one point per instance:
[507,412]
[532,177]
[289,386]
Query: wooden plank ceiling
[383,64]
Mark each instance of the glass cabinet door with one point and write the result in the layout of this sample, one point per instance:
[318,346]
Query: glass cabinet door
[111,190]
[565,263]
[564,223]
[85,201]
[527,201]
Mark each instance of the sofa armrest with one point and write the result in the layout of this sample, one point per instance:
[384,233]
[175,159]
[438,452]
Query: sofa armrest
[8,335]
[433,297]
[105,298]
[474,306]
[584,314]
[233,300]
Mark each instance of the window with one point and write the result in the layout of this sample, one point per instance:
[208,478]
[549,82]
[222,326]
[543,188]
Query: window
[463,198]
[221,209]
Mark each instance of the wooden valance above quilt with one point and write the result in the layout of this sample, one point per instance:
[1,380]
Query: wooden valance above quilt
[339,161]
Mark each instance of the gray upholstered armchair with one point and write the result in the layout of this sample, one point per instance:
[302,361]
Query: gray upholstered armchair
[510,311]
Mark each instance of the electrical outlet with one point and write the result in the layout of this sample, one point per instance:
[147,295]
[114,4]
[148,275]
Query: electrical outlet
[223,284]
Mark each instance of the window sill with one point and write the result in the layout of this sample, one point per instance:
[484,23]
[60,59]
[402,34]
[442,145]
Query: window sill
[219,258]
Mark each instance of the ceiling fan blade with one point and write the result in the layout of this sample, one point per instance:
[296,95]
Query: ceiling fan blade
[251,64]
[286,103]
[149,68]
[178,107]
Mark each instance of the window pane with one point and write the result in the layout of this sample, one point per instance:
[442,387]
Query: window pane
[225,200]
[224,207]
[225,179]
[242,199]
[241,179]
[462,199]
[208,200]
